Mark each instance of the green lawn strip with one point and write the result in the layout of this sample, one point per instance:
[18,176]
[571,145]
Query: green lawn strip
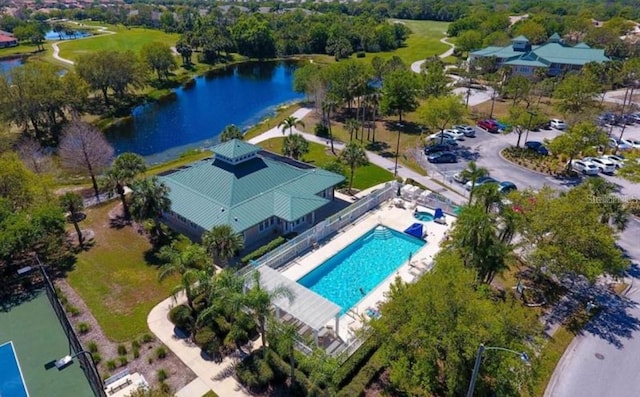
[115,279]
[124,39]
[268,123]
[319,155]
[549,358]
[186,158]
[22,49]
[424,41]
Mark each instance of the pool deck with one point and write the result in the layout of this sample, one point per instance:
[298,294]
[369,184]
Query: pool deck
[388,215]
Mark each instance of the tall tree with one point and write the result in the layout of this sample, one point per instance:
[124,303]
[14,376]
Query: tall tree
[435,80]
[578,139]
[188,262]
[159,58]
[399,93]
[354,156]
[472,173]
[84,148]
[125,168]
[149,199]
[231,132]
[260,300]
[522,120]
[222,242]
[438,112]
[352,125]
[295,146]
[289,123]
[71,202]
[518,88]
[575,95]
[34,156]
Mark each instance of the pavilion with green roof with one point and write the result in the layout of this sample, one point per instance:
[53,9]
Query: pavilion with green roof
[256,192]
[554,56]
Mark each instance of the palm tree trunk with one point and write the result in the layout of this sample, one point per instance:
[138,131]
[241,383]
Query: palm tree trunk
[75,224]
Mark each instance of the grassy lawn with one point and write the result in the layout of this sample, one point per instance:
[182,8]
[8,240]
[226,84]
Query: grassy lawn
[270,122]
[125,39]
[319,155]
[423,42]
[115,279]
[21,49]
[549,358]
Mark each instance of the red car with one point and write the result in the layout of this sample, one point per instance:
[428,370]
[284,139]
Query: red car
[489,126]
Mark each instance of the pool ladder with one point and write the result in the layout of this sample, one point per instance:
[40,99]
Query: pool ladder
[382,233]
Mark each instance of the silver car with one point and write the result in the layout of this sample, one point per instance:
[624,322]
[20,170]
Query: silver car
[467,130]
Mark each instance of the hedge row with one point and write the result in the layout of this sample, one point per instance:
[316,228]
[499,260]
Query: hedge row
[360,382]
[273,244]
[350,368]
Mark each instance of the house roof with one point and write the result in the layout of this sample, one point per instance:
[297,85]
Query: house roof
[581,45]
[545,54]
[520,38]
[211,192]
[5,38]
[235,148]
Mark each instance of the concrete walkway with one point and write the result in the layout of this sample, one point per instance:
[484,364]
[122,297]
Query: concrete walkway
[383,162]
[210,375]
[56,49]
[417,65]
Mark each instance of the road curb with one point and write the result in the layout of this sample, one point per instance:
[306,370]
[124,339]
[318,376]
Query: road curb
[520,166]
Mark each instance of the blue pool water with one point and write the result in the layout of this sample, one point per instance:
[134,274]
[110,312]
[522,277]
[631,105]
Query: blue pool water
[352,273]
[7,64]
[241,95]
[423,216]
[11,382]
[51,35]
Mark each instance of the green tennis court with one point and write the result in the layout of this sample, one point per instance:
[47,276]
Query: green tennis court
[38,340]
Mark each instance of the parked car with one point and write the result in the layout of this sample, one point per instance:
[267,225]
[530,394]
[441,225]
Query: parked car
[558,124]
[444,134]
[459,177]
[507,187]
[480,181]
[605,166]
[635,117]
[489,126]
[627,119]
[616,144]
[618,161]
[502,127]
[537,146]
[443,157]
[467,130]
[437,140]
[584,167]
[607,118]
[437,148]
[634,143]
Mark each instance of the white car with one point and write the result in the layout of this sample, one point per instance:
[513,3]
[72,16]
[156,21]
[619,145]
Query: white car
[458,177]
[634,143]
[605,166]
[585,167]
[620,145]
[447,136]
[455,134]
[616,160]
[467,130]
[558,124]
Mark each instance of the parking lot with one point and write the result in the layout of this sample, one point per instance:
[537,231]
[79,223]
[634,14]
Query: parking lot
[485,149]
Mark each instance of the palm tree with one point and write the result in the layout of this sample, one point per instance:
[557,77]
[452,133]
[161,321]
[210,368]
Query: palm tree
[231,132]
[327,106]
[354,156]
[259,301]
[284,338]
[222,242]
[612,210]
[487,196]
[122,172]
[289,124]
[295,146]
[189,262]
[373,101]
[352,126]
[149,199]
[473,173]
[71,202]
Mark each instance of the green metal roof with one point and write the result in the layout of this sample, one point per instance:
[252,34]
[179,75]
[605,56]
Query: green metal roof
[581,45]
[498,52]
[235,148]
[529,59]
[213,192]
[555,37]
[545,54]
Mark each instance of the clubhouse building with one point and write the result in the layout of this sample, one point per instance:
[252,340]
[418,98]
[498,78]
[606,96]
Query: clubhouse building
[258,193]
[554,56]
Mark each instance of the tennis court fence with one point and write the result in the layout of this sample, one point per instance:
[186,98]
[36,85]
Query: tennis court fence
[86,363]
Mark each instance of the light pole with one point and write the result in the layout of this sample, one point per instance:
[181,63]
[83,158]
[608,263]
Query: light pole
[476,368]
[531,114]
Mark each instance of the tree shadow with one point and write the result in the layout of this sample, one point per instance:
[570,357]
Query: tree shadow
[377,146]
[407,127]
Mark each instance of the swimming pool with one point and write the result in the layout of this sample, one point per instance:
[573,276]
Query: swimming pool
[11,381]
[349,275]
[423,216]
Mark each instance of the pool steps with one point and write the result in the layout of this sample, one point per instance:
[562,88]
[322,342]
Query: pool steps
[382,233]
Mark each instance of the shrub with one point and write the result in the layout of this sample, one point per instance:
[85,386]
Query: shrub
[161,352]
[162,375]
[350,368]
[150,360]
[254,373]
[122,350]
[136,353]
[135,345]
[361,54]
[146,338]
[111,365]
[122,360]
[270,246]
[92,346]
[83,328]
[364,377]
[208,341]
[181,316]
[72,310]
[96,358]
[321,130]
[165,388]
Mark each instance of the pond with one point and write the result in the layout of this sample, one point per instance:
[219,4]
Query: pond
[241,95]
[7,64]
[64,35]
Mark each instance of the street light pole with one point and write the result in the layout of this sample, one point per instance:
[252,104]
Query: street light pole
[476,367]
[531,114]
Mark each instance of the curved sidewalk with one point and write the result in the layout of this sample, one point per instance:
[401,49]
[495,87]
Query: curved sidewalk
[210,375]
[56,49]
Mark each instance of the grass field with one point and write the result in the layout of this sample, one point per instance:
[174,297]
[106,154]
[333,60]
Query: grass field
[115,278]
[124,39]
[319,155]
[423,42]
